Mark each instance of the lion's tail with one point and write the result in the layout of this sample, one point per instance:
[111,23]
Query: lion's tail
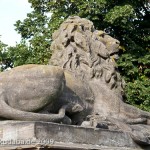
[8,112]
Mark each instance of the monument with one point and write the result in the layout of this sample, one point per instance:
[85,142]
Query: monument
[75,102]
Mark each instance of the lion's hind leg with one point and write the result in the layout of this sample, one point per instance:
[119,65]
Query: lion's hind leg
[8,112]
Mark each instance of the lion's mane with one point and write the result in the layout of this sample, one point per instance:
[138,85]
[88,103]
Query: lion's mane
[87,53]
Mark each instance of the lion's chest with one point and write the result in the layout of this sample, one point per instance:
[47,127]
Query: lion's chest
[107,101]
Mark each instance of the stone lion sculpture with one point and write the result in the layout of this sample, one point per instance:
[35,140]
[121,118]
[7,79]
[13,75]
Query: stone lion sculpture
[88,59]
[80,86]
[88,55]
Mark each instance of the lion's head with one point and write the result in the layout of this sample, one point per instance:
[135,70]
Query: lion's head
[88,53]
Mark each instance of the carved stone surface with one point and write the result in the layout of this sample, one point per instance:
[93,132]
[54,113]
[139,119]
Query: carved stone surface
[81,86]
[59,136]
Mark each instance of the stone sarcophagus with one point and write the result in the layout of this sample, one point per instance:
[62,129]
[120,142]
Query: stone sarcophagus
[80,91]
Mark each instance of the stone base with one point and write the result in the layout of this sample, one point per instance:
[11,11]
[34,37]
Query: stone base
[43,135]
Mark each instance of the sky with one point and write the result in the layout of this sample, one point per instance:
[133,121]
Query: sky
[10,12]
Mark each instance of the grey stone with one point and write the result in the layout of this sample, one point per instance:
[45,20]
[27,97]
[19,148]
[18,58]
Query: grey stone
[61,136]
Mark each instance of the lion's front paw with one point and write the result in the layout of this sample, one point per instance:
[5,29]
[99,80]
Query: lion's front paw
[98,121]
[66,120]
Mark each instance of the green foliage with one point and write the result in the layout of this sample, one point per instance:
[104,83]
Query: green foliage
[24,53]
[126,20]
[4,63]
[40,48]
[35,28]
[19,54]
[139,93]
[119,14]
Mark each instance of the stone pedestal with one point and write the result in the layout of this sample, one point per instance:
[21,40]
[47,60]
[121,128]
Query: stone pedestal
[43,135]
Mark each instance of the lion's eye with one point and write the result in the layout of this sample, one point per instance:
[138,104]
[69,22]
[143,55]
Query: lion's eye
[117,42]
[102,35]
[82,26]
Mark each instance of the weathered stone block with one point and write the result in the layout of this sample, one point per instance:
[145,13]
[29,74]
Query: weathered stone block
[59,136]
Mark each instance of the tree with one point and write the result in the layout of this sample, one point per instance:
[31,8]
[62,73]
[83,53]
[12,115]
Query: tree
[35,28]
[126,20]
[4,61]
